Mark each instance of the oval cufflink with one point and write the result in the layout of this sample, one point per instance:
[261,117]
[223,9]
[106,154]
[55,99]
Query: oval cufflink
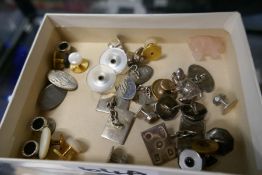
[101,78]
[114,58]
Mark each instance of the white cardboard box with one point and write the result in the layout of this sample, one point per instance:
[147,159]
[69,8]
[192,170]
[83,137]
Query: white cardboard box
[233,74]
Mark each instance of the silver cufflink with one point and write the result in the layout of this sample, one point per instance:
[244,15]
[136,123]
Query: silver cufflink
[39,123]
[30,149]
[227,106]
[223,138]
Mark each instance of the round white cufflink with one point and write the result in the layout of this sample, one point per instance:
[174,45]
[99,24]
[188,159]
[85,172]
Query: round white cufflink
[114,58]
[190,160]
[101,78]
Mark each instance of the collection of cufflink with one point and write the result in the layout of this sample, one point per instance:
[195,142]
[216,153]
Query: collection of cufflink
[43,128]
[119,78]
[53,94]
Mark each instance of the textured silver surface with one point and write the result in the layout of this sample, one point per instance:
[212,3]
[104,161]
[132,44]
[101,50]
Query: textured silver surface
[102,103]
[105,99]
[142,74]
[147,112]
[62,80]
[201,77]
[120,134]
[158,144]
[127,89]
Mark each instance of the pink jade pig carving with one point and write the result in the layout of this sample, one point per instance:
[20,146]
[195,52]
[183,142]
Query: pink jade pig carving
[206,46]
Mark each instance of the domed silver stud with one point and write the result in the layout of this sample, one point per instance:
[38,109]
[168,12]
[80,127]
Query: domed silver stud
[227,106]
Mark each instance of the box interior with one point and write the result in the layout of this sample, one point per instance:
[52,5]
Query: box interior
[77,117]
